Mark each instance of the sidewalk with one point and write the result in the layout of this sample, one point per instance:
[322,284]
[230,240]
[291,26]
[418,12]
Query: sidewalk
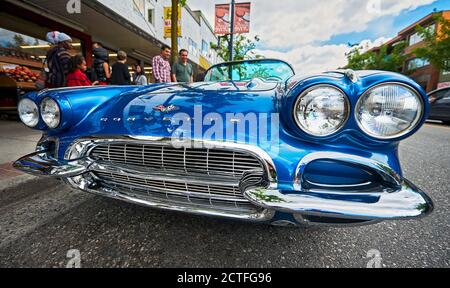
[16,140]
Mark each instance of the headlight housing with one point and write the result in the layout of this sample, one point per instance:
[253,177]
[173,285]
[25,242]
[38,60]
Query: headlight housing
[28,112]
[50,113]
[321,110]
[389,111]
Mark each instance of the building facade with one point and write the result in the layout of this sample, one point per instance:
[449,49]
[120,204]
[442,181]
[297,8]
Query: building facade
[421,70]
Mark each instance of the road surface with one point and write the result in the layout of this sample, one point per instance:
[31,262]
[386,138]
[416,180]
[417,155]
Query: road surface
[40,229]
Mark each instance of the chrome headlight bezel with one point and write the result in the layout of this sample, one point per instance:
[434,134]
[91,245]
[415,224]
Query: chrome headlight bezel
[35,107]
[412,126]
[57,115]
[347,110]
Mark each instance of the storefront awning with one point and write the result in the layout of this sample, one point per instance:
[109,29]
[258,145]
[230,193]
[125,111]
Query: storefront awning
[99,22]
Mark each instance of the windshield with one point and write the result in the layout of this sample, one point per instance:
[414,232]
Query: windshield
[272,70]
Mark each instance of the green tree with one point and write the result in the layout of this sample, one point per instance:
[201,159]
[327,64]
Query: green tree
[387,59]
[357,60]
[437,44]
[243,48]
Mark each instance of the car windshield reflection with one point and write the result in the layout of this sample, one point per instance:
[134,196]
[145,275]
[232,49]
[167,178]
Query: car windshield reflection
[270,70]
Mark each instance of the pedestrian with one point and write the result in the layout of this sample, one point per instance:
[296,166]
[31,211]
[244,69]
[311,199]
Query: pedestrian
[139,78]
[161,65]
[120,72]
[182,71]
[58,59]
[100,70]
[77,76]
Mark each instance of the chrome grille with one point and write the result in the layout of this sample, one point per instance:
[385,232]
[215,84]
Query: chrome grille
[184,160]
[181,187]
[195,194]
[206,177]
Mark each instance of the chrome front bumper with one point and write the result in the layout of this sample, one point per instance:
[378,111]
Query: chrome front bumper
[408,202]
[42,164]
[404,202]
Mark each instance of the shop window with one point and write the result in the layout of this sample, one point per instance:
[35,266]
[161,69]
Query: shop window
[417,63]
[22,56]
[416,38]
[193,47]
[151,16]
[447,70]
[205,48]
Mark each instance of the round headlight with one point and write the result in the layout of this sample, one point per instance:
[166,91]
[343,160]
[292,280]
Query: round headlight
[28,112]
[50,113]
[389,111]
[321,110]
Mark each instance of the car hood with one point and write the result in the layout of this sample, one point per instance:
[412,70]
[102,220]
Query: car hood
[160,109]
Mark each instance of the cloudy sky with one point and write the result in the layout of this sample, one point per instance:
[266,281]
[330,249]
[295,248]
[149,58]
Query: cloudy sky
[314,35]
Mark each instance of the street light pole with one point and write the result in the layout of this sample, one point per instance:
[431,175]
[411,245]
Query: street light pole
[230,47]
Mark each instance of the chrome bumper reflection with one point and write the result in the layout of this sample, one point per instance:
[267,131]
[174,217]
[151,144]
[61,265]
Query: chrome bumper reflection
[408,202]
[395,198]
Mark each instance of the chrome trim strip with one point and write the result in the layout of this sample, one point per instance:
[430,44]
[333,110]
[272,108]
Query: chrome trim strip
[387,174]
[343,186]
[349,73]
[305,222]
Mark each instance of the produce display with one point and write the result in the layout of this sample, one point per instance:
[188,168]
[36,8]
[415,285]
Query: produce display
[22,74]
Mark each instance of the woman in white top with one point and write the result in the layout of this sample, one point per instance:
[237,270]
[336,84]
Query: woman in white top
[139,76]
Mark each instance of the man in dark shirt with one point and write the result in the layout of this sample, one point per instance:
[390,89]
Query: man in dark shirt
[120,72]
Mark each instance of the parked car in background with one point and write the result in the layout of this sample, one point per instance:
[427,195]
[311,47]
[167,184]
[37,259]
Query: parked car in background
[333,158]
[440,105]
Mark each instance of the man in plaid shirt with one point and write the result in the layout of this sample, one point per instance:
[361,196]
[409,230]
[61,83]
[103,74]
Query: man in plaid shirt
[161,66]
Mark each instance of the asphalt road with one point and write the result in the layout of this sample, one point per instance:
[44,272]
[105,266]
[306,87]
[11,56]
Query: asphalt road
[38,231]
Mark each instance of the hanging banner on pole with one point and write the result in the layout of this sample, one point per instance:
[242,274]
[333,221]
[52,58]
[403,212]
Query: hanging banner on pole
[223,19]
[168,22]
[242,18]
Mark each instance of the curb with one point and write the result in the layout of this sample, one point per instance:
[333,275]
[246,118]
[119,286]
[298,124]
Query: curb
[20,187]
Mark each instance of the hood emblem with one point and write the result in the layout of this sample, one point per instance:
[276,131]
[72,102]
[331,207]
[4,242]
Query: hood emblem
[164,109]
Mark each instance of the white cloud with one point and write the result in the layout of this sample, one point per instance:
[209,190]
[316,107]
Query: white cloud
[297,26]
[315,59]
[311,59]
[366,45]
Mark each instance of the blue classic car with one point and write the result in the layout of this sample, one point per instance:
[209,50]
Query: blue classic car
[252,142]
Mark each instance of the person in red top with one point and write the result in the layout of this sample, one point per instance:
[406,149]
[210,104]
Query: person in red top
[77,77]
